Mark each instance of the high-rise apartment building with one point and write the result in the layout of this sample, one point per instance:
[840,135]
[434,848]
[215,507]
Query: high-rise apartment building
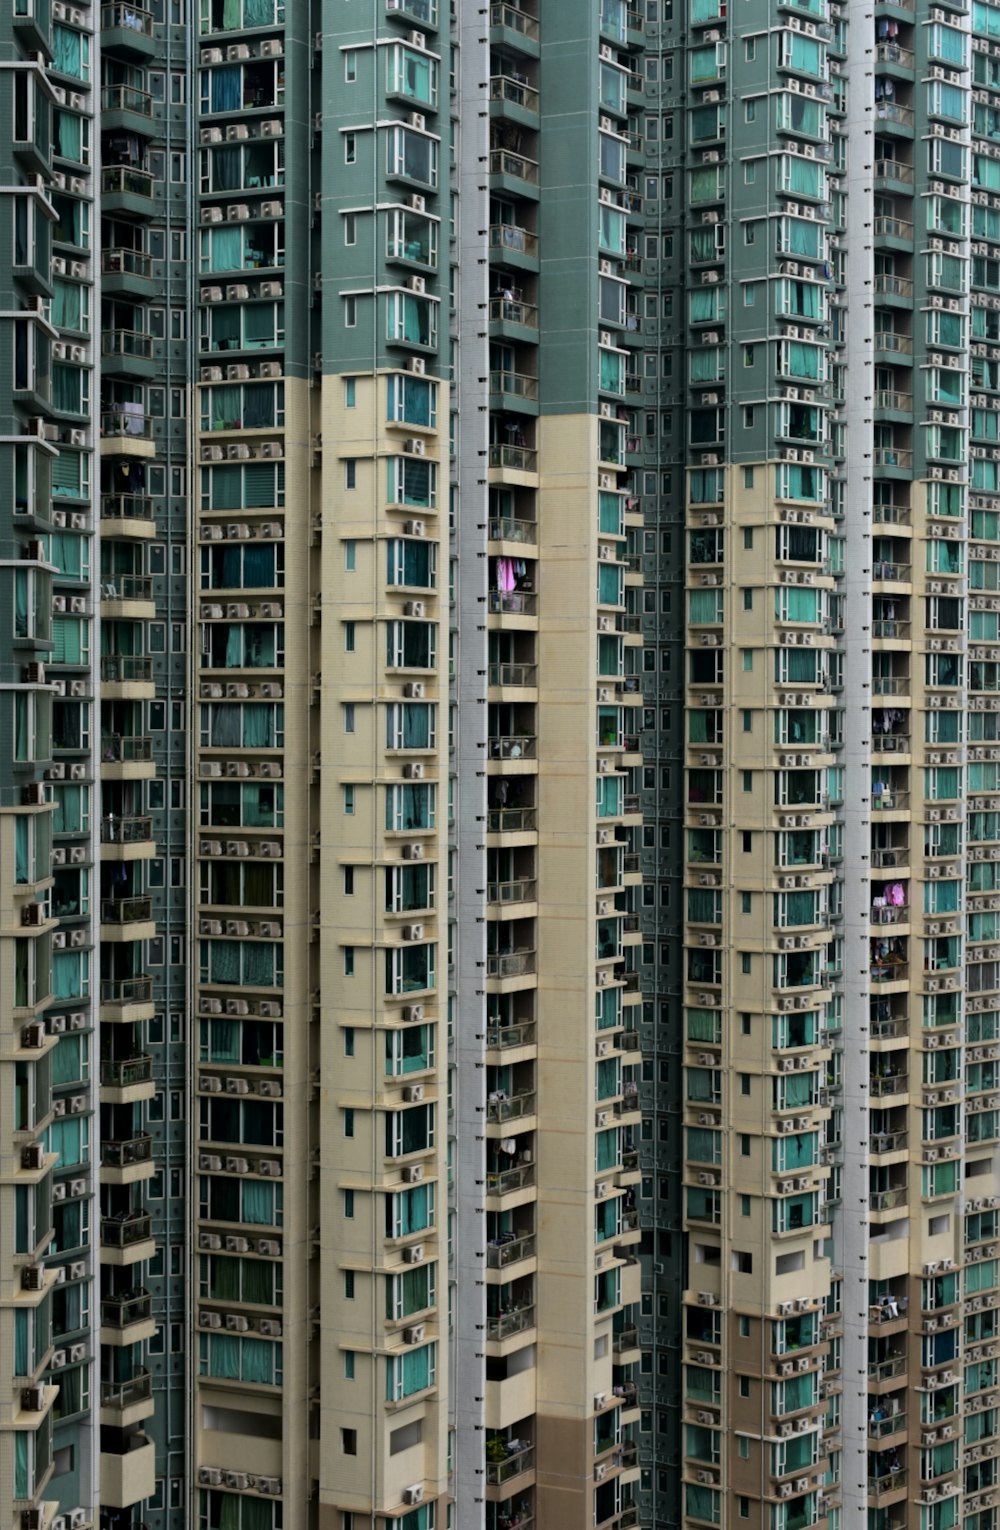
[500,814]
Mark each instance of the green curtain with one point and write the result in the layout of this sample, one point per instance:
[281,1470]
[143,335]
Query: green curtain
[413,1207]
[21,849]
[704,1025]
[607,1149]
[232,19]
[67,975]
[259,1360]
[802,238]
[258,1282]
[258,1203]
[67,300]
[225,1279]
[258,1514]
[21,1326]
[226,169]
[261,323]
[224,1356]
[259,964]
[222,249]
[608,1080]
[67,1060]
[67,48]
[224,961]
[795,1152]
[705,365]
[702,1503]
[224,1041]
[259,725]
[803,177]
[22,1487]
[224,406]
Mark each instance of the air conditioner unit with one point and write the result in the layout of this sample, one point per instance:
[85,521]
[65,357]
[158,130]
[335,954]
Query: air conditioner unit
[414,1494]
[413,1173]
[414,1254]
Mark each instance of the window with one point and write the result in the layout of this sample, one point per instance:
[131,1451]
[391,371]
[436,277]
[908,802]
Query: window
[744,1145]
[348,799]
[747,780]
[348,961]
[350,148]
[745,960]
[744,1386]
[350,472]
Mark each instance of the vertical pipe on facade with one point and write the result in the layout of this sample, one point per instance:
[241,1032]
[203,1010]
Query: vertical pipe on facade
[191,890]
[93,1258]
[376,1237]
[853,1249]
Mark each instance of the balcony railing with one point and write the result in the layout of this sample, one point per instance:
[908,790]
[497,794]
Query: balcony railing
[125,98]
[892,457]
[121,1072]
[888,398]
[123,1232]
[126,910]
[127,587]
[499,1472]
[514,674]
[892,111]
[499,1037]
[512,746]
[892,1482]
[127,342]
[513,603]
[126,507]
[890,913]
[893,170]
[519,459]
[503,87]
[511,820]
[889,1142]
[888,1200]
[898,1084]
[127,179]
[133,990]
[120,422]
[514,384]
[880,1427]
[125,262]
[508,236]
[512,1109]
[625,1338]
[122,668]
[894,53]
[506,1324]
[124,1154]
[510,964]
[129,18]
[509,1181]
[125,749]
[513,311]
[517,890]
[120,1311]
[888,339]
[126,831]
[517,166]
[884,1370]
[122,1394]
[510,529]
[510,1251]
[515,20]
[890,685]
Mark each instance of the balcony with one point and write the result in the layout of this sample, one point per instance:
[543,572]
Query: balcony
[511,820]
[130,1231]
[500,1253]
[512,458]
[500,1109]
[893,457]
[126,262]
[506,1324]
[127,181]
[515,242]
[126,677]
[125,98]
[501,1182]
[512,746]
[499,1038]
[126,999]
[126,1079]
[890,1482]
[516,168]
[126,433]
[510,529]
[126,1153]
[886,284]
[120,1395]
[129,1477]
[514,1463]
[132,515]
[512,19]
[131,830]
[521,890]
[504,310]
[124,1311]
[126,911]
[126,757]
[510,964]
[512,90]
[513,387]
[520,676]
